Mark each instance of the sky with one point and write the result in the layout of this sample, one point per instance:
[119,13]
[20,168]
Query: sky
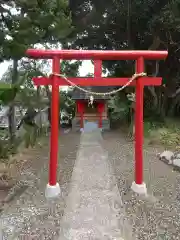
[85,68]
[3,67]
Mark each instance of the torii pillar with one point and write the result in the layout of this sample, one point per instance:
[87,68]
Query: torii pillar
[80,108]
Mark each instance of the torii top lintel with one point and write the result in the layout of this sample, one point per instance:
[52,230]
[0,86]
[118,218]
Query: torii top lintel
[96,54]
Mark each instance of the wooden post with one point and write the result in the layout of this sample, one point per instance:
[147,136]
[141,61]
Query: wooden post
[100,111]
[139,124]
[139,186]
[80,108]
[100,120]
[53,188]
[81,120]
[54,124]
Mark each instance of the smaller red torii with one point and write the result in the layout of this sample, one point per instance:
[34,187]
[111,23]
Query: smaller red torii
[138,185]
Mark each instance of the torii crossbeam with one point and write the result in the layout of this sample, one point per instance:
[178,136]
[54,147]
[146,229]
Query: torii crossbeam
[138,185]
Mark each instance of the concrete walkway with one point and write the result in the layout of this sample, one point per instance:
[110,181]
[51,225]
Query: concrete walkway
[94,207]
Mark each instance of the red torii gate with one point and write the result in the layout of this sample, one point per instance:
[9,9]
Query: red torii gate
[138,185]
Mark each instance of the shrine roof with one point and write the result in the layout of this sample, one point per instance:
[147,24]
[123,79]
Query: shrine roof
[80,95]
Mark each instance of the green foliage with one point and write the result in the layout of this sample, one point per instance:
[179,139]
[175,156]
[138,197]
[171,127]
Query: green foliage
[135,25]
[24,93]
[8,94]
[7,149]
[70,68]
[26,23]
[4,86]
[167,133]
[119,109]
[22,25]
[67,105]
[147,128]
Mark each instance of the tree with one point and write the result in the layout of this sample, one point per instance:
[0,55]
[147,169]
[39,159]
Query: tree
[134,25]
[25,23]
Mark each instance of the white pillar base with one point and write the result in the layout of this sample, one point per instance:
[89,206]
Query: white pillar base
[52,191]
[139,188]
[81,129]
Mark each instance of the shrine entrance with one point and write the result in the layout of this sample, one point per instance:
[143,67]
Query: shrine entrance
[138,80]
[91,117]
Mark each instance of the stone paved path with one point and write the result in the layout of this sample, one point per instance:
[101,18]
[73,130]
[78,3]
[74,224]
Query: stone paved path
[94,207]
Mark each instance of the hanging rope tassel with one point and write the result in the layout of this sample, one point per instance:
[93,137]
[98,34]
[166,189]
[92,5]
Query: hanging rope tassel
[91,100]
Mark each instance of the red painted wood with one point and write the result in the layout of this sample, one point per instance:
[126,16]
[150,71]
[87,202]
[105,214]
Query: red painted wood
[80,109]
[96,54]
[139,124]
[80,106]
[81,120]
[97,68]
[54,125]
[98,81]
[100,108]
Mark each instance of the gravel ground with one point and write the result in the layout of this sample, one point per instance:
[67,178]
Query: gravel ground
[156,217]
[31,216]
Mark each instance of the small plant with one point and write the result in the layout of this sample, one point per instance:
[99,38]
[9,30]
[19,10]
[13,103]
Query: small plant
[7,149]
[167,134]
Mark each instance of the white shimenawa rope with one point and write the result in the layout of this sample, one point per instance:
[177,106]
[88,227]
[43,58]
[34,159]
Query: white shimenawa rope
[134,77]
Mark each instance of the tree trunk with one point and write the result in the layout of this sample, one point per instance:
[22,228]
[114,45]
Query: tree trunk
[39,109]
[11,115]
[49,109]
[164,105]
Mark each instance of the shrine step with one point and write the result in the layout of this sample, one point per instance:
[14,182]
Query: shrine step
[94,207]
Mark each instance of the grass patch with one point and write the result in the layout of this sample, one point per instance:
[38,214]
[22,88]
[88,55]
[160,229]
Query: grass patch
[167,134]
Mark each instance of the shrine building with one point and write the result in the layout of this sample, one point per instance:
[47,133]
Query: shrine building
[96,113]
